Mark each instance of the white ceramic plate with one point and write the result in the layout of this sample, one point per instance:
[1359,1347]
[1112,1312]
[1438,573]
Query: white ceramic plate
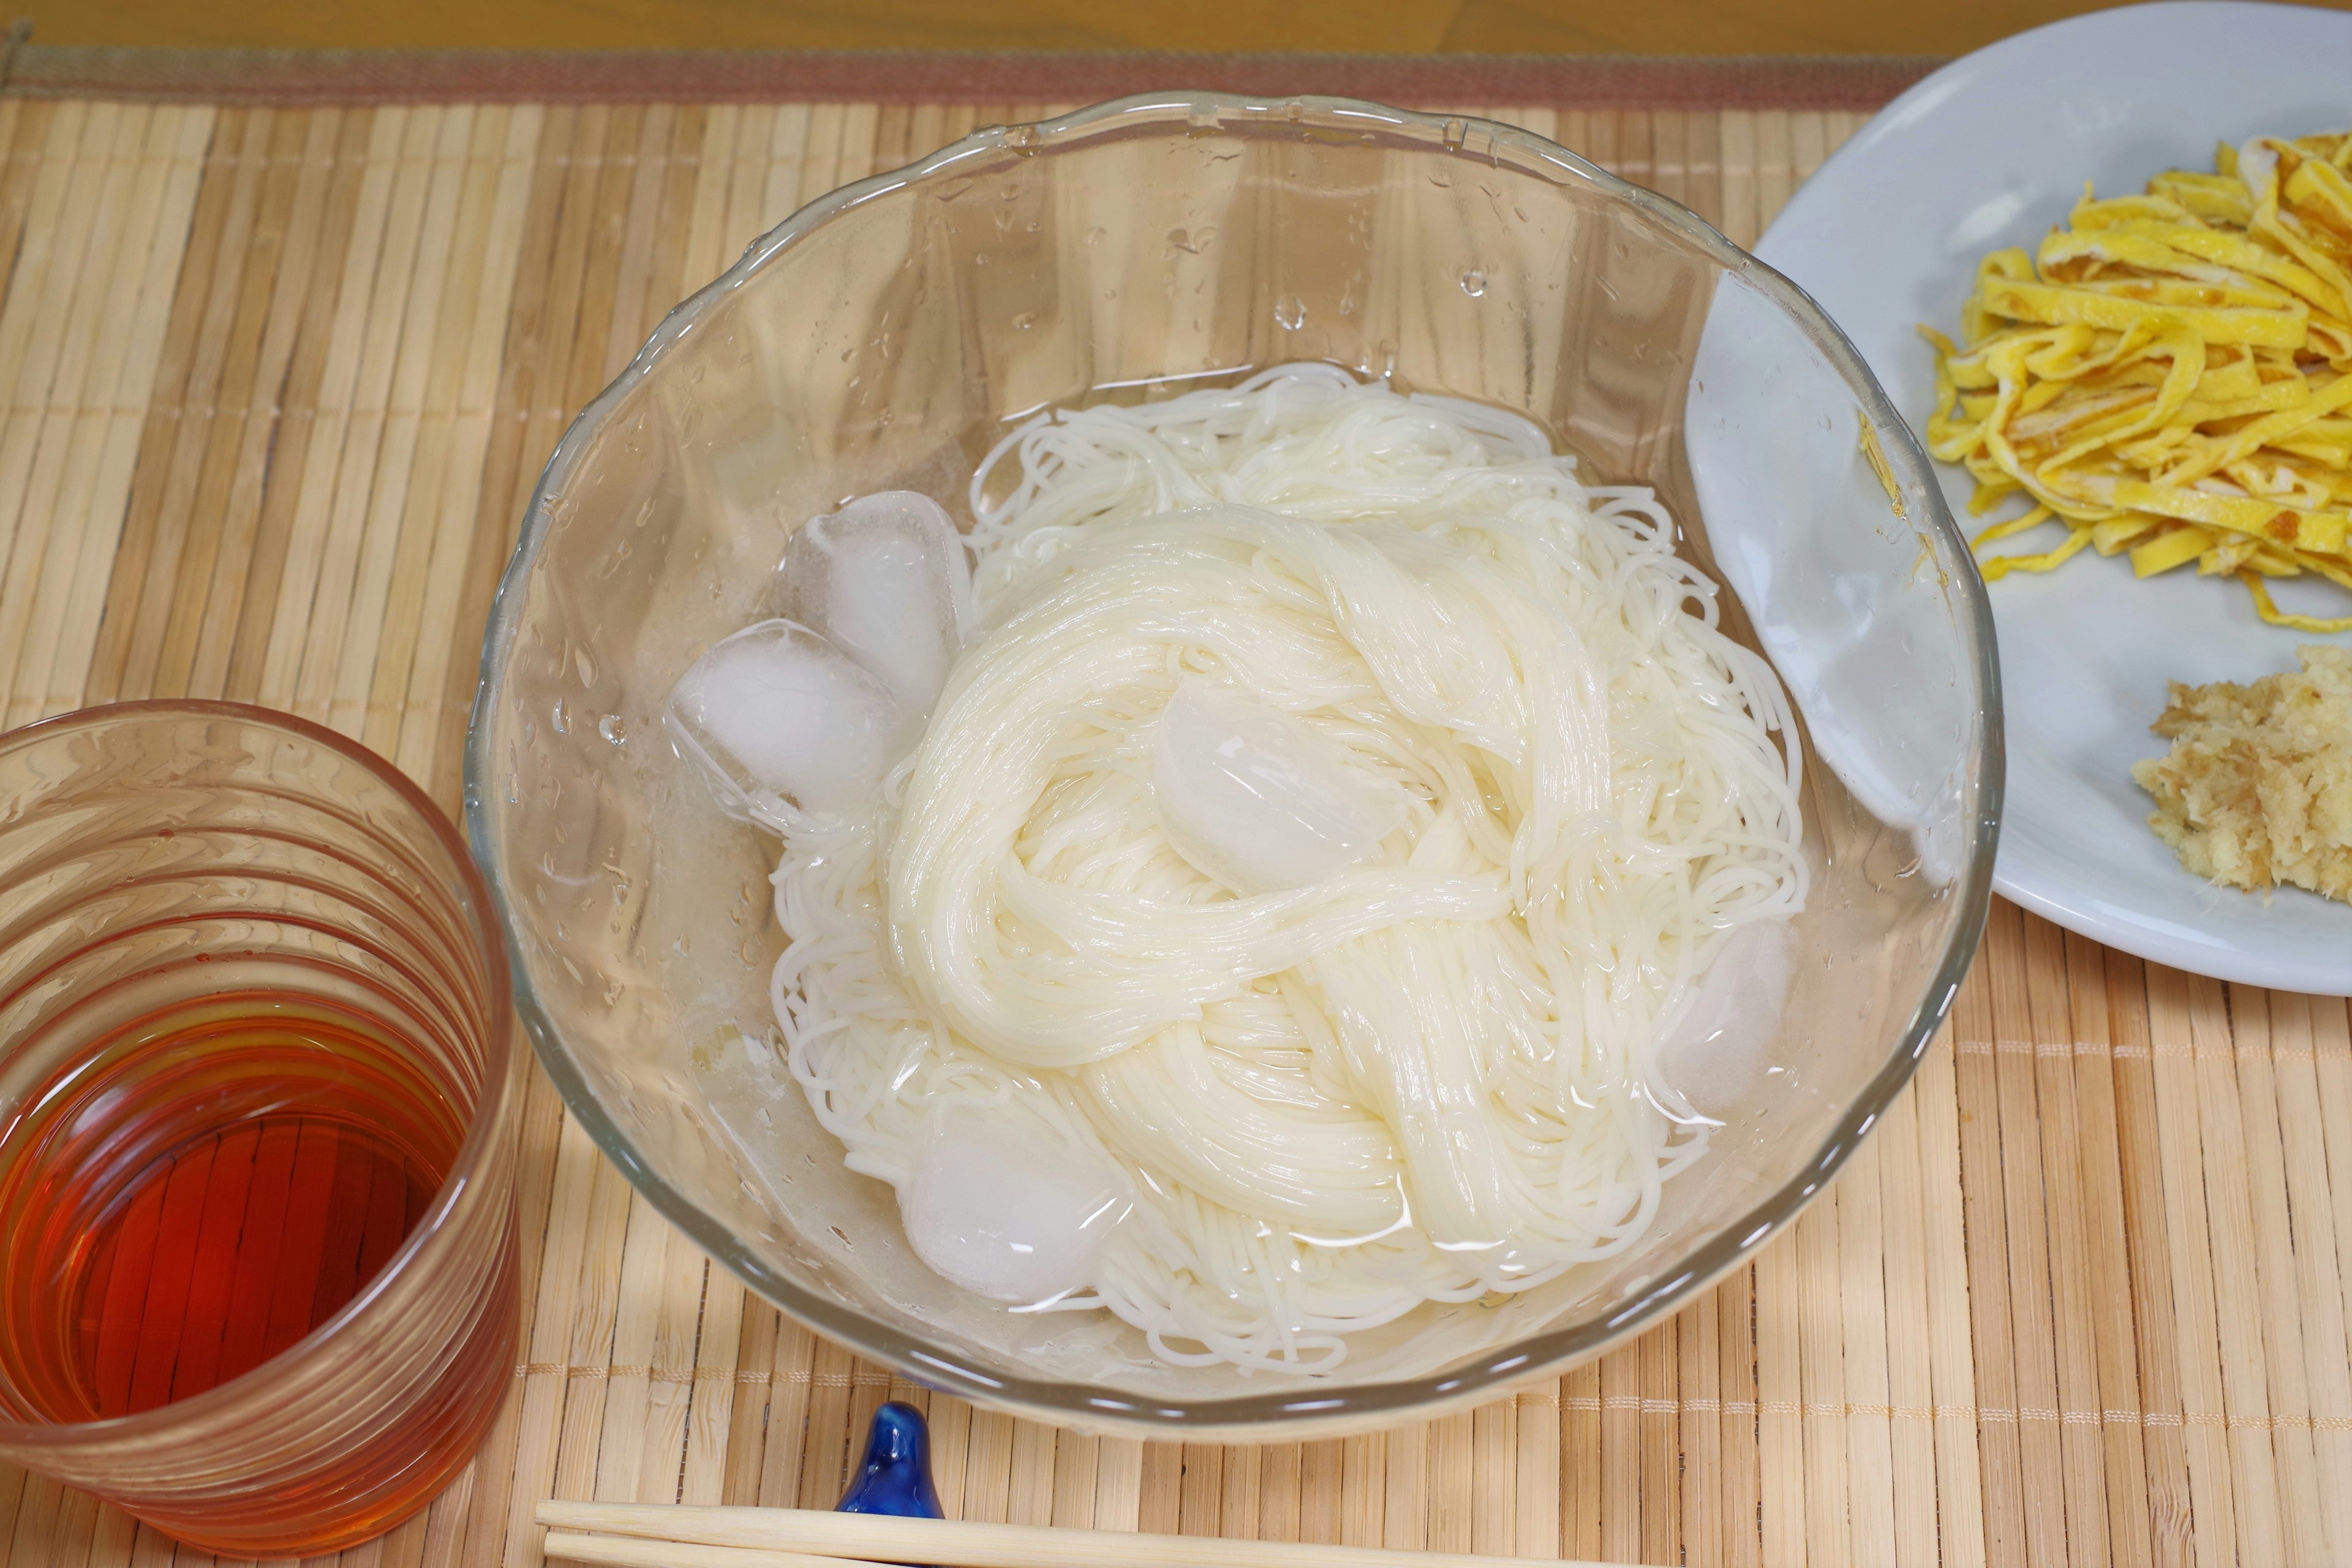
[1991,150]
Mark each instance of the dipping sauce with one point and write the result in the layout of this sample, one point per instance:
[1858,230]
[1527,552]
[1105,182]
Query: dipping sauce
[259,1263]
[203,1188]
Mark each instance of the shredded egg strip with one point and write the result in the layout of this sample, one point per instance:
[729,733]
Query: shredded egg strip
[2171,374]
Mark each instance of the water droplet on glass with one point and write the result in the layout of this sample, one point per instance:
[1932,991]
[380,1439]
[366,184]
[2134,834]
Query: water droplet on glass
[1291,313]
[1454,134]
[1473,284]
[613,730]
[1097,234]
[1025,321]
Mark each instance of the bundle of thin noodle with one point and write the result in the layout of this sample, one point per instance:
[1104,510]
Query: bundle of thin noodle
[1427,1078]
[2172,375]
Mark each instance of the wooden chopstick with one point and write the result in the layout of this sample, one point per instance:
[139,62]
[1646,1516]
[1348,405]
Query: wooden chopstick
[664,1536]
[632,1551]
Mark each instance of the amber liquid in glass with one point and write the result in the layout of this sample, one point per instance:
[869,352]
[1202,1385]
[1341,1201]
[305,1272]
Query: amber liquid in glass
[201,1188]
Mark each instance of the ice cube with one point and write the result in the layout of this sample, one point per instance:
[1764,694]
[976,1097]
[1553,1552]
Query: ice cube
[886,579]
[1258,800]
[1008,1210]
[776,712]
[1714,1049]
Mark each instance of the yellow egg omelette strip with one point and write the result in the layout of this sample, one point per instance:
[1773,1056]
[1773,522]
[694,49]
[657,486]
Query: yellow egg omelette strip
[2170,375]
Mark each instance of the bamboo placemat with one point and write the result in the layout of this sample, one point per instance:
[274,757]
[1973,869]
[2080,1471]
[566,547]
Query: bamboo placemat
[277,382]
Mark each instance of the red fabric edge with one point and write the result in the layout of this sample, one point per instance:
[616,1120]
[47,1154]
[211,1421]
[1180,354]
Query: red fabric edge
[409,75]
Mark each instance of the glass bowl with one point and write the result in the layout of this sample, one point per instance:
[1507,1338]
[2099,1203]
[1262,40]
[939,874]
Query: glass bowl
[882,336]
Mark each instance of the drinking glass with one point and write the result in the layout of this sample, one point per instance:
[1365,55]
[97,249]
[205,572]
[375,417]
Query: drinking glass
[258,1256]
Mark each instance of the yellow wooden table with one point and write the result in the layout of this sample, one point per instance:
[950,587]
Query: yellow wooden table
[278,380]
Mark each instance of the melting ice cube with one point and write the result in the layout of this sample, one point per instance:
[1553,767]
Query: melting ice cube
[1713,1051]
[1258,800]
[1006,1210]
[886,578]
[777,713]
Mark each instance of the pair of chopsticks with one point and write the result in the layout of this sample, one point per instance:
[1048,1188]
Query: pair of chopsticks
[655,1535]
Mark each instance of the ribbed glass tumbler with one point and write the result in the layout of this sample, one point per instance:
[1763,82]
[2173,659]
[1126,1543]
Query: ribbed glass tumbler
[259,1260]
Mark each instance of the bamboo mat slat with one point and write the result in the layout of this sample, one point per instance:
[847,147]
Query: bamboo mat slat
[274,383]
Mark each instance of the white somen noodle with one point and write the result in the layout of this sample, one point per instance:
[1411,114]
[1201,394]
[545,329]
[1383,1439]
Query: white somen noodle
[1428,1075]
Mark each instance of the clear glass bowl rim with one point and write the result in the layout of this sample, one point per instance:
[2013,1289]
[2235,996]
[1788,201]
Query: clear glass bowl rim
[492,1117]
[1300,1414]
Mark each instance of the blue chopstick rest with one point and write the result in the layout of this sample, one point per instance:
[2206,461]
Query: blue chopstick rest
[896,1477]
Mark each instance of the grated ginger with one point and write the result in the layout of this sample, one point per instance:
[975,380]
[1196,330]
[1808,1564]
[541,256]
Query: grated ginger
[2257,789]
